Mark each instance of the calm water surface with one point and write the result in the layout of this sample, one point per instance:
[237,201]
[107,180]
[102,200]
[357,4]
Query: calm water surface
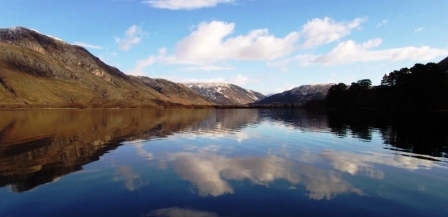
[247,162]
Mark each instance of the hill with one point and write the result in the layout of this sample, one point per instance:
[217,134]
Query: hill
[37,70]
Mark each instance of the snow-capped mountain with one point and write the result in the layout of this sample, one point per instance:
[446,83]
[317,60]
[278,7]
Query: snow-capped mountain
[222,93]
[298,95]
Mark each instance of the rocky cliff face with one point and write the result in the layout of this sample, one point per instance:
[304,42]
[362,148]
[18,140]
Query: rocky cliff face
[221,93]
[299,95]
[37,70]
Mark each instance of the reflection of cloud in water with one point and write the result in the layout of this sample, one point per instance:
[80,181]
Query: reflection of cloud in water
[241,136]
[142,153]
[353,163]
[132,180]
[326,184]
[203,172]
[179,212]
[209,173]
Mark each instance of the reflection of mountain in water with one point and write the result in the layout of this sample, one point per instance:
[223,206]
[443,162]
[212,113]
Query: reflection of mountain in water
[228,119]
[422,133]
[297,118]
[39,146]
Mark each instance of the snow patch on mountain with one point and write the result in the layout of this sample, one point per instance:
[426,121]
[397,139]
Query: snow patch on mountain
[223,93]
[14,32]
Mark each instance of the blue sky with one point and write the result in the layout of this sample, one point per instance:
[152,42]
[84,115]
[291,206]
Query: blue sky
[264,45]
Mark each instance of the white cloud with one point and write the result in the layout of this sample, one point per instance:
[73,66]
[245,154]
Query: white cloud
[133,36]
[324,31]
[142,64]
[351,52]
[209,43]
[185,4]
[419,29]
[382,23]
[86,45]
[208,68]
[239,80]
[195,80]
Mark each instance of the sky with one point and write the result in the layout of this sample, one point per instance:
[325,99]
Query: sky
[264,45]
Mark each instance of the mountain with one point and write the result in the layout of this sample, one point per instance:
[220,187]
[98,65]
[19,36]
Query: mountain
[222,93]
[37,70]
[177,92]
[299,95]
[444,64]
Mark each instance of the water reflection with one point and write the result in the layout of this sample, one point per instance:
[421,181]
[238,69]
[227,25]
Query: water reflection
[38,146]
[419,133]
[132,180]
[179,212]
[180,162]
[210,172]
[297,119]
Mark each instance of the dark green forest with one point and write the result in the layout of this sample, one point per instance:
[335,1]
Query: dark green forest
[422,87]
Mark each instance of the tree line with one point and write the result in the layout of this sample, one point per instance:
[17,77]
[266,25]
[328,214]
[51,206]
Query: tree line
[421,87]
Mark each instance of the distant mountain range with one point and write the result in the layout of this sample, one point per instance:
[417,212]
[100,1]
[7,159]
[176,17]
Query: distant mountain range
[299,95]
[221,93]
